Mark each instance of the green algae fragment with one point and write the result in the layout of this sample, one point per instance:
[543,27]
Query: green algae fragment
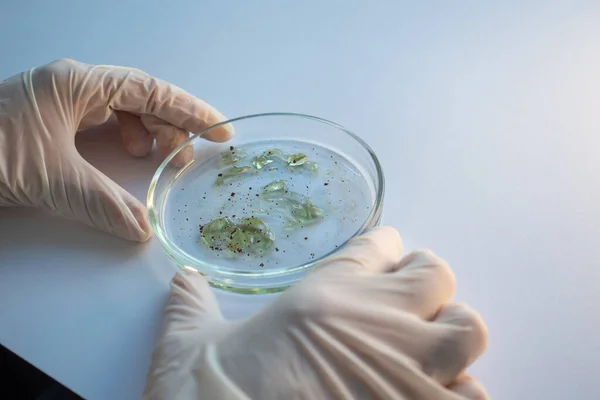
[292,160]
[250,235]
[282,195]
[231,173]
[216,232]
[303,214]
[267,157]
[231,157]
[259,162]
[311,166]
[296,162]
[300,209]
[275,153]
[306,212]
[275,186]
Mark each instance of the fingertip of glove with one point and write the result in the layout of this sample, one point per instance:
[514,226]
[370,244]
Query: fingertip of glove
[191,281]
[139,148]
[144,236]
[470,324]
[187,274]
[386,236]
[135,234]
[468,388]
[386,230]
[105,205]
[142,230]
[221,133]
[122,215]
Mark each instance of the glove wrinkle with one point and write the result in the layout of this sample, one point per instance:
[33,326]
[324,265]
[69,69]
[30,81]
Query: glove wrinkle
[35,198]
[325,370]
[345,355]
[85,203]
[64,194]
[111,95]
[216,380]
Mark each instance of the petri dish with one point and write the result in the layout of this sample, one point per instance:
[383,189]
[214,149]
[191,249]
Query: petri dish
[256,213]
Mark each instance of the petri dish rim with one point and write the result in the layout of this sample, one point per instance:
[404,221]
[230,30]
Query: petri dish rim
[182,258]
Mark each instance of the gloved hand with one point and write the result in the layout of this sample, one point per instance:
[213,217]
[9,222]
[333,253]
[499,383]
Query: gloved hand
[43,108]
[365,324]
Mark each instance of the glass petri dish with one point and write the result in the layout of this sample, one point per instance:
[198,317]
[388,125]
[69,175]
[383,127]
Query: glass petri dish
[255,214]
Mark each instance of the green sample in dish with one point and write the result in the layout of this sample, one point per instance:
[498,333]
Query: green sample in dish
[231,157]
[275,186]
[300,209]
[231,173]
[235,155]
[291,160]
[308,214]
[250,236]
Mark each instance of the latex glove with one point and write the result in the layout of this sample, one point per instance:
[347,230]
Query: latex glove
[43,108]
[364,324]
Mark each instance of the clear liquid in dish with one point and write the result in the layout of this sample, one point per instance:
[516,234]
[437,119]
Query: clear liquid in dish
[200,196]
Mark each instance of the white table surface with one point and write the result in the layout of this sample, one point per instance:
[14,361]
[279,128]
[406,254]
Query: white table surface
[486,118]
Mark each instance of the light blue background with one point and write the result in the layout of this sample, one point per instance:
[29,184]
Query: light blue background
[486,117]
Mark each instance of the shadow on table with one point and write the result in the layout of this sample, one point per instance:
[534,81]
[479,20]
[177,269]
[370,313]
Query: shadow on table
[30,228]
[21,380]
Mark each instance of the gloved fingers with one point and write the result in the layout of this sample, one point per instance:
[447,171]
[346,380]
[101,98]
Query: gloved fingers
[426,283]
[191,302]
[376,251]
[84,193]
[177,357]
[136,138]
[168,137]
[128,89]
[459,338]
[468,388]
